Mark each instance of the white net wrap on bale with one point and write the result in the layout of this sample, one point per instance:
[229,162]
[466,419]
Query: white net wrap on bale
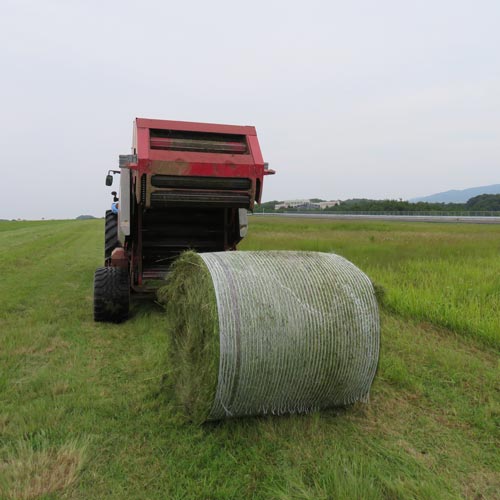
[299,331]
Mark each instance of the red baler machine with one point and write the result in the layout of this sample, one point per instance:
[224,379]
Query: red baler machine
[185,186]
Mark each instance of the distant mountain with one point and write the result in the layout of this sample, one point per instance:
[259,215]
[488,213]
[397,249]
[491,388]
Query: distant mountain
[458,195]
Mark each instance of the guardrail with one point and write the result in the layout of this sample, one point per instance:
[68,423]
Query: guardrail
[451,217]
[430,213]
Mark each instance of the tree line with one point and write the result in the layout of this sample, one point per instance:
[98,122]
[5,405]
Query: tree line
[481,203]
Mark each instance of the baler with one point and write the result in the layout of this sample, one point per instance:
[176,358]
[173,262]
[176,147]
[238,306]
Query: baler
[250,332]
[185,186]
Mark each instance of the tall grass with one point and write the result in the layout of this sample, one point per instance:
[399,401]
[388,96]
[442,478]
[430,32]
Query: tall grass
[448,274]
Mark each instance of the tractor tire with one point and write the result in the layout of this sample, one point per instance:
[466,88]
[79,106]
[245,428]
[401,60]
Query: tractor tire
[111,294]
[110,234]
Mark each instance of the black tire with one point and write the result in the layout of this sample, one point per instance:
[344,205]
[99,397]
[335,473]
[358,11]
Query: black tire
[111,294]
[110,233]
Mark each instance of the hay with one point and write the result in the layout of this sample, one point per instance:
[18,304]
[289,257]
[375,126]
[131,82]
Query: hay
[269,332]
[189,300]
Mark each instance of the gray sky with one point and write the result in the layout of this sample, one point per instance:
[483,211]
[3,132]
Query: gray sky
[386,98]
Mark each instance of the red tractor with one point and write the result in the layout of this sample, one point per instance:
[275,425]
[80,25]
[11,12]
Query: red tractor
[185,186]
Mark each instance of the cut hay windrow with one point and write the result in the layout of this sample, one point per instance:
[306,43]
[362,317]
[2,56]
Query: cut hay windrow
[255,333]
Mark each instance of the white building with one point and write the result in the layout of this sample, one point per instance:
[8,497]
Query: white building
[328,204]
[293,204]
[306,204]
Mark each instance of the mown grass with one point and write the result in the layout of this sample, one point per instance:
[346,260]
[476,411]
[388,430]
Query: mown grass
[86,399]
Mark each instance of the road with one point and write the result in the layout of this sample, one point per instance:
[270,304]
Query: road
[405,218]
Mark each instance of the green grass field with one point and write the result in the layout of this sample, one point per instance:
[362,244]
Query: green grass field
[83,414]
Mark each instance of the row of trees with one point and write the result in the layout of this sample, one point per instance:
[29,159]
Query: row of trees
[481,203]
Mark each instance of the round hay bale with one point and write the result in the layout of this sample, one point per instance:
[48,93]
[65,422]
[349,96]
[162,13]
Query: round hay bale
[254,333]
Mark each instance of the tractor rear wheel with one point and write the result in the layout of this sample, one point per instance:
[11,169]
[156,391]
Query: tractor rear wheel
[111,294]
[110,233]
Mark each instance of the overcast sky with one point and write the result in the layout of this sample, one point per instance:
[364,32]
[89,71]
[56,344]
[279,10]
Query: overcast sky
[386,98]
